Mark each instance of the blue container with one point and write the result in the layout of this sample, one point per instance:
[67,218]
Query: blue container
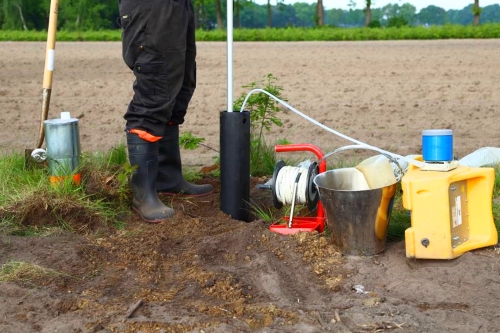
[437,145]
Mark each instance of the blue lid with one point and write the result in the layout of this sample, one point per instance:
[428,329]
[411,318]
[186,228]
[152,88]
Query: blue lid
[437,132]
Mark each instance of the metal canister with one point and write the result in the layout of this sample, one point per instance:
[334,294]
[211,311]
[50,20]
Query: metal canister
[63,147]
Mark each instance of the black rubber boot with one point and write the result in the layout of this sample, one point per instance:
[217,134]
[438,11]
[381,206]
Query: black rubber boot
[145,202]
[170,180]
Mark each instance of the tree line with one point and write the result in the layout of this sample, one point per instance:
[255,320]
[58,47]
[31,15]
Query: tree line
[210,14]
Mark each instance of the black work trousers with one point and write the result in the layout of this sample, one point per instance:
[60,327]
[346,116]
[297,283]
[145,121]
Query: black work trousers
[158,44]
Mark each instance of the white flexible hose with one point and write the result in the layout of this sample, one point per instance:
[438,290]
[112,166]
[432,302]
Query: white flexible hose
[409,160]
[285,182]
[397,169]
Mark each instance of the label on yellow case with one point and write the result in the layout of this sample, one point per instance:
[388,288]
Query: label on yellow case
[457,216]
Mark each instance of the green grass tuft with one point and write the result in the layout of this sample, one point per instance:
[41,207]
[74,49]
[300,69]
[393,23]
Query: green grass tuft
[18,271]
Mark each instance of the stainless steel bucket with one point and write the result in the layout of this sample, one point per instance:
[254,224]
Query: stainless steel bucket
[63,146]
[357,217]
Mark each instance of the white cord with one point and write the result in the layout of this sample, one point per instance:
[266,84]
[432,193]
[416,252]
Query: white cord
[285,182]
[409,160]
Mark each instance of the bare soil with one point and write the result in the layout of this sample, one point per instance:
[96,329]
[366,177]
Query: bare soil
[204,272]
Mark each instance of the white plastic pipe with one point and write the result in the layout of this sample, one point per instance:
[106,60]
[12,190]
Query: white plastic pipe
[230,56]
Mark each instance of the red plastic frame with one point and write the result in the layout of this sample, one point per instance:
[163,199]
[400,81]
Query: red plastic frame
[308,224]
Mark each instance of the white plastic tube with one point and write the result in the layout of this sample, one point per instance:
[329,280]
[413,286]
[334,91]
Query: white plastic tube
[317,123]
[230,56]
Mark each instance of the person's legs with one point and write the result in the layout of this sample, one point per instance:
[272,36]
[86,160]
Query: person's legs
[188,87]
[170,179]
[154,47]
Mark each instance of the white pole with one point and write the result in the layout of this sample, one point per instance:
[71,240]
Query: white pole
[229,55]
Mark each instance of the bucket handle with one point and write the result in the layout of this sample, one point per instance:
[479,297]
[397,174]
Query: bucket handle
[391,158]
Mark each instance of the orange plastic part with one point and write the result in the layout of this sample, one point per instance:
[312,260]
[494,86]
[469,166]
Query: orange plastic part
[77,179]
[145,135]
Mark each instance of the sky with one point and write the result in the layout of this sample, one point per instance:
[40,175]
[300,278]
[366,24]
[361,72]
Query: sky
[419,4]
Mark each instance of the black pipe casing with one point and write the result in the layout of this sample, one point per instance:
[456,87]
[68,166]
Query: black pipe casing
[235,164]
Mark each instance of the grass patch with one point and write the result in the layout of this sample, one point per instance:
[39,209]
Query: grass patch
[30,205]
[400,218]
[262,158]
[192,175]
[489,30]
[496,216]
[268,214]
[18,271]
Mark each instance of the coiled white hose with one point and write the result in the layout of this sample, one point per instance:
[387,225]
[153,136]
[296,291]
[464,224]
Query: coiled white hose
[285,183]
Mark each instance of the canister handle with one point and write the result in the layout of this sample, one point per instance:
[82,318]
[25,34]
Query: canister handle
[390,157]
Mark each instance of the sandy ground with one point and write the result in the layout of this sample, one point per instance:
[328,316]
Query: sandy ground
[381,93]
[204,272]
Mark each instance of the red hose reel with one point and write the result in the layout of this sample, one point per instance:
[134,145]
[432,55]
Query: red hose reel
[289,224]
